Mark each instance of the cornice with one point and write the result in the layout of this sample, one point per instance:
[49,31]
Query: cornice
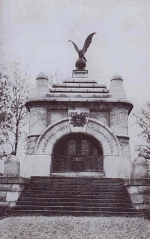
[92,104]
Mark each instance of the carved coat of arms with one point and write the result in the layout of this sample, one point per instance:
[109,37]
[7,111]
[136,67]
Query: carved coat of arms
[78,119]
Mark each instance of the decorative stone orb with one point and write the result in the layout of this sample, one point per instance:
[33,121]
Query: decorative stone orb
[11,166]
[116,87]
[140,167]
[42,75]
[117,77]
[80,64]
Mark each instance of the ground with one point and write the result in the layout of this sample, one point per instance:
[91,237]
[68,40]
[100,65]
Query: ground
[74,228]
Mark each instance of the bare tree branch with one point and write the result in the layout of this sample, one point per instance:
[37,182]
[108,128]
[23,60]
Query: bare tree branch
[14,92]
[143,120]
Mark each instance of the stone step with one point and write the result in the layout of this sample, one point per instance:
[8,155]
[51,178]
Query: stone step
[74,208]
[92,189]
[65,185]
[70,196]
[75,192]
[74,199]
[79,85]
[60,194]
[78,95]
[76,179]
[80,81]
[49,189]
[79,90]
[73,188]
[68,203]
[71,213]
[76,184]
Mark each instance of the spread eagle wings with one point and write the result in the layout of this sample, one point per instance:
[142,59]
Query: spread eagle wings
[75,46]
[86,44]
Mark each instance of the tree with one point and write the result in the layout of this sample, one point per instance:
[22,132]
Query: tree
[55,77]
[14,92]
[5,114]
[143,120]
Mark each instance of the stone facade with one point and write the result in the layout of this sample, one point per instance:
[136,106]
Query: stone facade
[78,106]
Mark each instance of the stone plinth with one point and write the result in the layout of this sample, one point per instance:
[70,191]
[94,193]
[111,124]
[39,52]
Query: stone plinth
[11,166]
[140,168]
[139,190]
[10,189]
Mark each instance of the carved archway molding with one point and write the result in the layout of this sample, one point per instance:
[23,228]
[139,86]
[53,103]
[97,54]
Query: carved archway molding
[95,128]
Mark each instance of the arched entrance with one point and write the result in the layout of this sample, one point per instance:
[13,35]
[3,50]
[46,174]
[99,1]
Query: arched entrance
[77,152]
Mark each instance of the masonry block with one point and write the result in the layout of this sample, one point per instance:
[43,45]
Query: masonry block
[4,204]
[3,196]
[137,198]
[17,188]
[12,196]
[5,187]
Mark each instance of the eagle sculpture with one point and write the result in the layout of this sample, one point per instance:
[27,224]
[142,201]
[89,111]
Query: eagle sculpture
[81,62]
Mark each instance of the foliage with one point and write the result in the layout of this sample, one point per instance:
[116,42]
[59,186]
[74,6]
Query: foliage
[14,92]
[56,77]
[143,120]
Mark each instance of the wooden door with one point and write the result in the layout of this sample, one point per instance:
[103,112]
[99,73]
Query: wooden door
[77,153]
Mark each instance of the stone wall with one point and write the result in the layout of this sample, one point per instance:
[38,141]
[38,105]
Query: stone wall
[139,190]
[103,117]
[55,115]
[10,189]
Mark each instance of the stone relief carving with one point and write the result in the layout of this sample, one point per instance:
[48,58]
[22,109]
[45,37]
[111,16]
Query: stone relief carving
[109,140]
[52,135]
[118,117]
[100,132]
[78,119]
[124,143]
[31,144]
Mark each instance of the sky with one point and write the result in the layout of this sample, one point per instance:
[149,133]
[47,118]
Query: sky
[36,33]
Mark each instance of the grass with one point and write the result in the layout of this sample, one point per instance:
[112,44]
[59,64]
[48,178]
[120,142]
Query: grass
[74,228]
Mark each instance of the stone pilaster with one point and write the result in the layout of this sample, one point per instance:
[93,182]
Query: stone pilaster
[32,140]
[119,121]
[38,120]
[38,123]
[126,156]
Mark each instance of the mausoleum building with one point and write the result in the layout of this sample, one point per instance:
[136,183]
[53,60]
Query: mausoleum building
[78,158]
[78,128]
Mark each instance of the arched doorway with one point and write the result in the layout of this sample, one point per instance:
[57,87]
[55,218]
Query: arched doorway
[77,152]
